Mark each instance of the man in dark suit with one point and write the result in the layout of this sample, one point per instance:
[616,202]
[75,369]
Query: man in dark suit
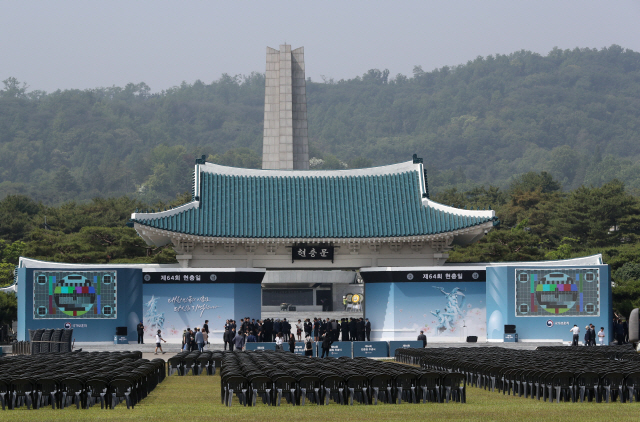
[140,329]
[268,330]
[344,327]
[423,338]
[335,330]
[286,329]
[307,328]
[367,329]
[353,329]
[360,328]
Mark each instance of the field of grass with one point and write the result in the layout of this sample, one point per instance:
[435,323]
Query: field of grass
[198,398]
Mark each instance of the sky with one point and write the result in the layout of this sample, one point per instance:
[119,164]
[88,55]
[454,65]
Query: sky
[61,44]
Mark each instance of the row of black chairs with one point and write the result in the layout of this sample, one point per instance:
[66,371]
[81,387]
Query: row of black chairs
[553,374]
[50,340]
[80,378]
[273,375]
[195,362]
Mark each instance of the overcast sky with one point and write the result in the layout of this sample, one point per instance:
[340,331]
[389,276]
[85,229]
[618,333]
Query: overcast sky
[86,44]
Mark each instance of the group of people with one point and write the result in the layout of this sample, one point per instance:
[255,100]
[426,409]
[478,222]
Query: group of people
[281,331]
[621,330]
[347,329]
[267,330]
[195,339]
[620,333]
[589,335]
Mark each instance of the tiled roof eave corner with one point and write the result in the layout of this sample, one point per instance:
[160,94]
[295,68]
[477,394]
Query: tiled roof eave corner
[486,215]
[141,216]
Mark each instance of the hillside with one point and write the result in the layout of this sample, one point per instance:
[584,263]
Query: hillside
[572,113]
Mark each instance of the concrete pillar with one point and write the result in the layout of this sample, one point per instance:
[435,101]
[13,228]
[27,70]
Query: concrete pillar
[285,138]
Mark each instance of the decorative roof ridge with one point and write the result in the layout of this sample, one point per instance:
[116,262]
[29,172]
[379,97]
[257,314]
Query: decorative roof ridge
[166,213]
[458,211]
[370,171]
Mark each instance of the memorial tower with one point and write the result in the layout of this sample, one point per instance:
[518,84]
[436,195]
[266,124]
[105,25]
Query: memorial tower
[285,142]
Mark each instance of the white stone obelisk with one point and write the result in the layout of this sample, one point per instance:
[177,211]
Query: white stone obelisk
[285,141]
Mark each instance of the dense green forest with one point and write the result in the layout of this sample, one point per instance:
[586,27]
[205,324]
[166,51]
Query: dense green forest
[572,113]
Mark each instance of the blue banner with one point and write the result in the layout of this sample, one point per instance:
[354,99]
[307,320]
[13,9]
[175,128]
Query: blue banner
[409,344]
[260,346]
[338,348]
[371,349]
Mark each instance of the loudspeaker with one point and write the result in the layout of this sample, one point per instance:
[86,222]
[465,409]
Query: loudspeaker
[509,329]
[472,339]
[121,331]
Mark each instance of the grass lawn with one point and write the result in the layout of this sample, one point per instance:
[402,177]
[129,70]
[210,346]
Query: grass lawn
[198,398]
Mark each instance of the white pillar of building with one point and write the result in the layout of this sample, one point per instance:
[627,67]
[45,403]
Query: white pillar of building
[285,139]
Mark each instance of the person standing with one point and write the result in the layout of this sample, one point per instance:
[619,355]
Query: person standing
[199,340]
[279,341]
[601,336]
[360,329]
[587,336]
[619,332]
[232,336]
[423,338]
[335,333]
[367,329]
[292,343]
[353,330]
[193,341]
[238,341]
[299,327]
[316,329]
[225,336]
[187,340]
[307,328]
[158,340]
[205,336]
[205,329]
[344,327]
[140,329]
[277,327]
[286,329]
[308,346]
[592,335]
[326,345]
[576,335]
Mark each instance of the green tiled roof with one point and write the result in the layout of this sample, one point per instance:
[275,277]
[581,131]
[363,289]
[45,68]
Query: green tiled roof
[299,204]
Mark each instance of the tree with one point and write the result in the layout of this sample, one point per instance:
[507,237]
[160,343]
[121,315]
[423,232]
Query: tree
[532,181]
[65,183]
[17,214]
[595,215]
[628,273]
[8,308]
[499,246]
[13,89]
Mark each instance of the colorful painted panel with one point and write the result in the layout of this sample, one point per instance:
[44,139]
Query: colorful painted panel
[74,294]
[561,291]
